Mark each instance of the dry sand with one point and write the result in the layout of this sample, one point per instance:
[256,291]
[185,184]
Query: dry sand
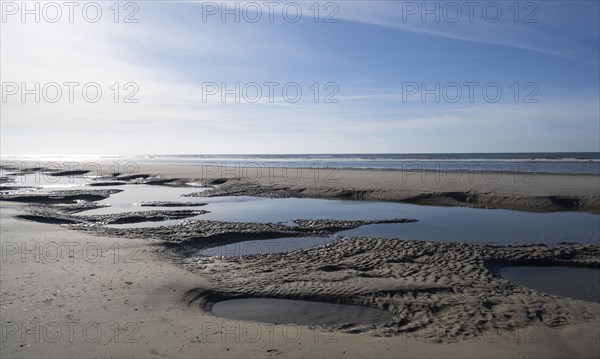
[148,301]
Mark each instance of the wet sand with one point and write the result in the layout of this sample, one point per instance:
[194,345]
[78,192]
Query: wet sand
[425,285]
[153,304]
[519,191]
[537,192]
[443,299]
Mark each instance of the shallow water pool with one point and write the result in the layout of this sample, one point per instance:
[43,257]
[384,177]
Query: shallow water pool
[578,283]
[445,224]
[285,311]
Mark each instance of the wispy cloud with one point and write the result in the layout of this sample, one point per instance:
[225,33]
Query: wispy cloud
[479,28]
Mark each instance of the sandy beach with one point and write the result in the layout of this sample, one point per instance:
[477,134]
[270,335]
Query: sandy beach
[72,285]
[311,179]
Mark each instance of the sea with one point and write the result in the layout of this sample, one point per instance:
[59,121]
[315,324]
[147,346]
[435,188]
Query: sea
[526,162]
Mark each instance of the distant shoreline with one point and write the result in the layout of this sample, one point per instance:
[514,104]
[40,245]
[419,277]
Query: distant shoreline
[551,163]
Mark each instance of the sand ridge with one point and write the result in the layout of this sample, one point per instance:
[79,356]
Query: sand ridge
[469,198]
[428,286]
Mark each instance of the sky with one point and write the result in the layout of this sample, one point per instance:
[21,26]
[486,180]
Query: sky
[194,77]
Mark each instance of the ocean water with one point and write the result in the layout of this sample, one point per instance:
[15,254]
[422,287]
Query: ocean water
[575,163]
[537,162]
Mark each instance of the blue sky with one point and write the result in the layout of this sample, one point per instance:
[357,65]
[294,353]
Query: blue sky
[372,57]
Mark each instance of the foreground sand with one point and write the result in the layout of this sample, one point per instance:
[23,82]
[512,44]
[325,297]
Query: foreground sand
[144,299]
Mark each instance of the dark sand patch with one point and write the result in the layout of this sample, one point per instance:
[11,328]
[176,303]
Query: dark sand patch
[131,177]
[107,183]
[57,197]
[203,234]
[46,220]
[170,204]
[68,173]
